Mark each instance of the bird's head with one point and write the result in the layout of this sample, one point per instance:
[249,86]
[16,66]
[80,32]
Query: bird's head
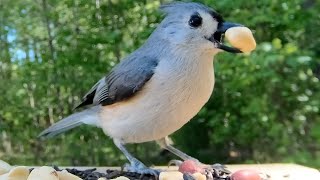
[195,27]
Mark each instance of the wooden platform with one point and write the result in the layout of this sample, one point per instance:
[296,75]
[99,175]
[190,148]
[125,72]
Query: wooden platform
[271,171]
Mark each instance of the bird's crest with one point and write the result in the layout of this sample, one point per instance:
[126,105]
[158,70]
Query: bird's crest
[178,7]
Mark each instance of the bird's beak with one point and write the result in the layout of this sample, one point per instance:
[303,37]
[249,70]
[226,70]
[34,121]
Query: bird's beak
[218,37]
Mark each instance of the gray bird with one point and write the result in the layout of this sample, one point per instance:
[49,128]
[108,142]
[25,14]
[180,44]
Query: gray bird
[159,87]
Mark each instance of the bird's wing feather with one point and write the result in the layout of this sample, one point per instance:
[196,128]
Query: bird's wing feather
[124,80]
[88,97]
[88,116]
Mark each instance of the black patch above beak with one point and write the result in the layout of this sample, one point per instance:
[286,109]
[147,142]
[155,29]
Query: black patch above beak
[218,37]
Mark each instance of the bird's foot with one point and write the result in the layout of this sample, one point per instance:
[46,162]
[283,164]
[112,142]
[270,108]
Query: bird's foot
[219,168]
[136,166]
[216,170]
[193,166]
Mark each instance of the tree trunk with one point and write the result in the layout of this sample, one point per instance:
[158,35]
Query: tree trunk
[49,30]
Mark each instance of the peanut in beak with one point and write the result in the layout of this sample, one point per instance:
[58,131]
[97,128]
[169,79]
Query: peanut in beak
[241,38]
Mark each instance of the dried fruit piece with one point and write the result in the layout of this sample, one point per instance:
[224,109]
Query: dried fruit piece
[4,167]
[16,173]
[65,175]
[241,38]
[171,175]
[44,172]
[246,174]
[191,167]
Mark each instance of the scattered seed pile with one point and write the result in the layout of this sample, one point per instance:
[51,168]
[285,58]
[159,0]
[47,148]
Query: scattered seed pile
[92,174]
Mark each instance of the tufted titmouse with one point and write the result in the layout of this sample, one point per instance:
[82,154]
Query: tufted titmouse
[159,87]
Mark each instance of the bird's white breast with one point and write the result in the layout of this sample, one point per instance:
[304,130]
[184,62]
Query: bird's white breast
[177,91]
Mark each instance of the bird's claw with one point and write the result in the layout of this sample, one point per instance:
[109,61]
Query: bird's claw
[175,162]
[210,171]
[141,169]
[216,170]
[220,168]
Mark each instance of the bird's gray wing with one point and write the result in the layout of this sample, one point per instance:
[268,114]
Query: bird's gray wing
[124,80]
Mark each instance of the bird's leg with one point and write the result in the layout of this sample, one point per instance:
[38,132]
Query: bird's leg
[135,165]
[166,144]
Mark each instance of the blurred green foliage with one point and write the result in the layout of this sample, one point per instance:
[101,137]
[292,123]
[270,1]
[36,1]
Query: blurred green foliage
[265,106]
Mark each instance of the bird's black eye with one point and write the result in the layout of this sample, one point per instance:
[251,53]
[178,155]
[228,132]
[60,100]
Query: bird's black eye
[195,20]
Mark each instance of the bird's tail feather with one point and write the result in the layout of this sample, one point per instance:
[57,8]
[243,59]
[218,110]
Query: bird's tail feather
[88,116]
